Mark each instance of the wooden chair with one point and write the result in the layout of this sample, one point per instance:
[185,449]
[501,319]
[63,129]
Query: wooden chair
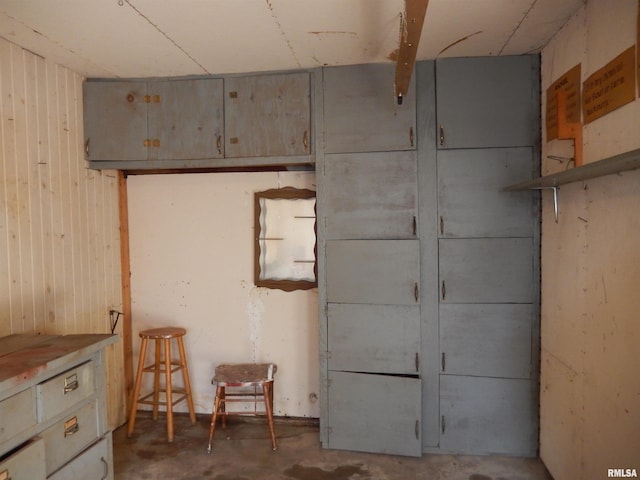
[241,377]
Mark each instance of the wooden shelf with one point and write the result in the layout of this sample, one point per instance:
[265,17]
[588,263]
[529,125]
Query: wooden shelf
[616,164]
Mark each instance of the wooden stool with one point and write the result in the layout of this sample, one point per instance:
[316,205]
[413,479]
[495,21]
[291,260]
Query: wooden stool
[166,365]
[243,375]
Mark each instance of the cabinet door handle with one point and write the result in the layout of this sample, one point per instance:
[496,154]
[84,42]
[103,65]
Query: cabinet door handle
[441,225]
[417,362]
[305,140]
[443,361]
[417,430]
[219,144]
[416,291]
[86,150]
[415,226]
[444,290]
[411,136]
[106,468]
[441,135]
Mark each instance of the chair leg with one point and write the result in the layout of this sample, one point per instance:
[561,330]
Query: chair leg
[187,383]
[214,415]
[268,402]
[136,390]
[223,405]
[169,394]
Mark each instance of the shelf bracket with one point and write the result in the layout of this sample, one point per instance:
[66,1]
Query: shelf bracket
[569,131]
[555,198]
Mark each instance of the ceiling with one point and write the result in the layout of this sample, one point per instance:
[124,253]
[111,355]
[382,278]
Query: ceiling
[166,38]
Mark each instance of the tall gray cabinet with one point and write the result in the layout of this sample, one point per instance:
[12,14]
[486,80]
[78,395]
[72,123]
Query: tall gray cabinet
[428,271]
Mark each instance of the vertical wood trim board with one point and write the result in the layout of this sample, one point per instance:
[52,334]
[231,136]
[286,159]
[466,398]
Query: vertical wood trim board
[59,221]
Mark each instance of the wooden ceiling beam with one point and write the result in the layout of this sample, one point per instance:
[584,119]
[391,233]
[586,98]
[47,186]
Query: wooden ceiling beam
[410,31]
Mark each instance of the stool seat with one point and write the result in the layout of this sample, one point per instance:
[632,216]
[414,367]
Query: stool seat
[163,332]
[244,373]
[238,375]
[172,395]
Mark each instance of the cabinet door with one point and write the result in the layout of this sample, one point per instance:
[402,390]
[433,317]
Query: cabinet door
[373,271]
[267,115]
[186,119]
[487,102]
[115,120]
[374,338]
[371,195]
[374,413]
[488,340]
[361,113]
[471,202]
[486,270]
[487,415]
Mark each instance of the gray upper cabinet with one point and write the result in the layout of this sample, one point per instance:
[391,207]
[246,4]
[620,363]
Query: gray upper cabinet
[163,120]
[486,102]
[371,195]
[115,121]
[268,115]
[361,113]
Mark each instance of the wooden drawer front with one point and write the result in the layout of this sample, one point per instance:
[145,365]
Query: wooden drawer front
[68,437]
[65,390]
[25,464]
[18,413]
[92,464]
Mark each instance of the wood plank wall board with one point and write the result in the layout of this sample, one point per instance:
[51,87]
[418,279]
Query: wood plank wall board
[59,221]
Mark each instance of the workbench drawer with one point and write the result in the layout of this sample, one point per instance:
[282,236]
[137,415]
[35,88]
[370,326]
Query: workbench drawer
[64,391]
[94,463]
[27,463]
[70,436]
[18,413]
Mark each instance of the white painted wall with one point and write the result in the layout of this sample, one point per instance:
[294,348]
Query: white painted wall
[191,239]
[590,386]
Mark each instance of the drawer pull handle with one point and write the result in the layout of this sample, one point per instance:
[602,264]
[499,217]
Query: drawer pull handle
[4,475]
[106,468]
[71,383]
[71,427]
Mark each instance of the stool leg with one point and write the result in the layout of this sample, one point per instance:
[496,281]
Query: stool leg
[267,389]
[156,380]
[187,383]
[223,406]
[169,394]
[136,390]
[214,415]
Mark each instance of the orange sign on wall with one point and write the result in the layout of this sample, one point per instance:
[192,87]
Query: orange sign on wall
[569,83]
[610,87]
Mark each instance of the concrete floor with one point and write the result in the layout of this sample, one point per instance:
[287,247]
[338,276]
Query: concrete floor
[243,452]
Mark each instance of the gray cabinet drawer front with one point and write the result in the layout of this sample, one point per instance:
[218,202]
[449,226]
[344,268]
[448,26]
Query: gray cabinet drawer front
[18,413]
[26,464]
[92,464]
[63,391]
[68,437]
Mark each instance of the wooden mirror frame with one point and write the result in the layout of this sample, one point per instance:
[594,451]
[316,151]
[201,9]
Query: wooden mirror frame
[288,285]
